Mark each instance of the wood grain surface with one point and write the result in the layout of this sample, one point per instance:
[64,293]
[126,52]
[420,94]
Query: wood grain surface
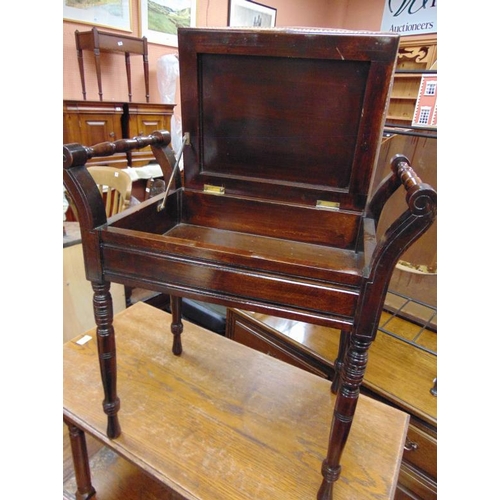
[223,421]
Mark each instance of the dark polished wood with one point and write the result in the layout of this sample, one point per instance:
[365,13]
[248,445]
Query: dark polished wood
[285,126]
[100,41]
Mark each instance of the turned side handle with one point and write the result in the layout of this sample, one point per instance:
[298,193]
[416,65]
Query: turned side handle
[76,154]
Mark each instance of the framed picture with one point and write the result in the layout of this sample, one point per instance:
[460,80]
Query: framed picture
[107,13]
[245,13]
[161,18]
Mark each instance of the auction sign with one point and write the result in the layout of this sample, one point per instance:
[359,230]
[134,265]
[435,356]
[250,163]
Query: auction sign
[410,17]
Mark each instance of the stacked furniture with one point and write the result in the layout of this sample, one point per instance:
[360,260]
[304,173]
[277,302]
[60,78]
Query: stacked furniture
[281,131]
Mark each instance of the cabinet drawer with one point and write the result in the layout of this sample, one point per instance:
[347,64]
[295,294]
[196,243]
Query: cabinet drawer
[421,450]
[244,334]
[413,485]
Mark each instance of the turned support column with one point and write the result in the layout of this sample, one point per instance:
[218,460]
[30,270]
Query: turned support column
[85,490]
[103,313]
[350,382]
[176,326]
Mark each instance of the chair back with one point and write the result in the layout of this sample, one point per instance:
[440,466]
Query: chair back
[115,186]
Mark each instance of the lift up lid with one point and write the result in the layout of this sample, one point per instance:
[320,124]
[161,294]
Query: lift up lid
[292,115]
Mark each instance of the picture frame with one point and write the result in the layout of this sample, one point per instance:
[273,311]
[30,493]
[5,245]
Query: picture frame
[245,13]
[114,14]
[159,19]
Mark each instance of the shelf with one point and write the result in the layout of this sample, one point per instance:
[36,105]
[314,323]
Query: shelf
[408,76]
[410,98]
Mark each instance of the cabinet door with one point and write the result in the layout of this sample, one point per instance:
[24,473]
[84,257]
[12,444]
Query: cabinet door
[96,128]
[143,119]
[89,123]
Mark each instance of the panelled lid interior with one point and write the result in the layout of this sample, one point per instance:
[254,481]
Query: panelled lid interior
[284,114]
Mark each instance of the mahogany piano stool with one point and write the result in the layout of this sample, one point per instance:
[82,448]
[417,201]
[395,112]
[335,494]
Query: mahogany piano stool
[101,41]
[273,212]
[222,421]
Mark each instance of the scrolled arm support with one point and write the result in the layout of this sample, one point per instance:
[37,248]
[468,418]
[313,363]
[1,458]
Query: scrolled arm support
[420,197]
[85,194]
[399,236]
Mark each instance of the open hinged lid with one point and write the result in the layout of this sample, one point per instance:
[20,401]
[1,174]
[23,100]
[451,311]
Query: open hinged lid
[293,115]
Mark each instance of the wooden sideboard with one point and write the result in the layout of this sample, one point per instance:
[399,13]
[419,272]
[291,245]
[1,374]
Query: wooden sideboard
[93,122]
[399,374]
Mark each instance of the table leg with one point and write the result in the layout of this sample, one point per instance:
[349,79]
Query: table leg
[79,54]
[97,54]
[103,313]
[85,490]
[146,74]
[129,79]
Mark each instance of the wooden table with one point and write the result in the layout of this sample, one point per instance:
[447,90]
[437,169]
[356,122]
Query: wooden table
[222,420]
[100,41]
[399,374]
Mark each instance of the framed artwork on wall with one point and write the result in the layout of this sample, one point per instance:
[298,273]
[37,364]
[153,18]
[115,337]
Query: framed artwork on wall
[109,13]
[245,13]
[161,18]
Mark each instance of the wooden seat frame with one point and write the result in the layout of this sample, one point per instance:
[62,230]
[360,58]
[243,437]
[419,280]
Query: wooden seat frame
[273,256]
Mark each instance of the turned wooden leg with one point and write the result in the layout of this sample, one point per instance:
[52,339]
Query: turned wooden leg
[97,56]
[339,362]
[145,62]
[103,313]
[85,490]
[345,406]
[82,72]
[176,327]
[129,80]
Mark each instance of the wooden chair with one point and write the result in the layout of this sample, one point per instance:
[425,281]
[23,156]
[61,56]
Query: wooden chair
[115,186]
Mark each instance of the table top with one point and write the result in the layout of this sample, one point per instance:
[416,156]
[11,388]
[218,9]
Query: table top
[396,370]
[225,421]
[110,42]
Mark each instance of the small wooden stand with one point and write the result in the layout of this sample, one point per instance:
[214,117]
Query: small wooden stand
[100,41]
[222,420]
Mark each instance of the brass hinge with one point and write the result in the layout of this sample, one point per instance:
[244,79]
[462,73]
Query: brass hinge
[330,205]
[208,188]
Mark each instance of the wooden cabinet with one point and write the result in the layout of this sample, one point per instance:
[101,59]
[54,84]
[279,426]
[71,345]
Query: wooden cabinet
[143,119]
[415,54]
[399,374]
[92,122]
